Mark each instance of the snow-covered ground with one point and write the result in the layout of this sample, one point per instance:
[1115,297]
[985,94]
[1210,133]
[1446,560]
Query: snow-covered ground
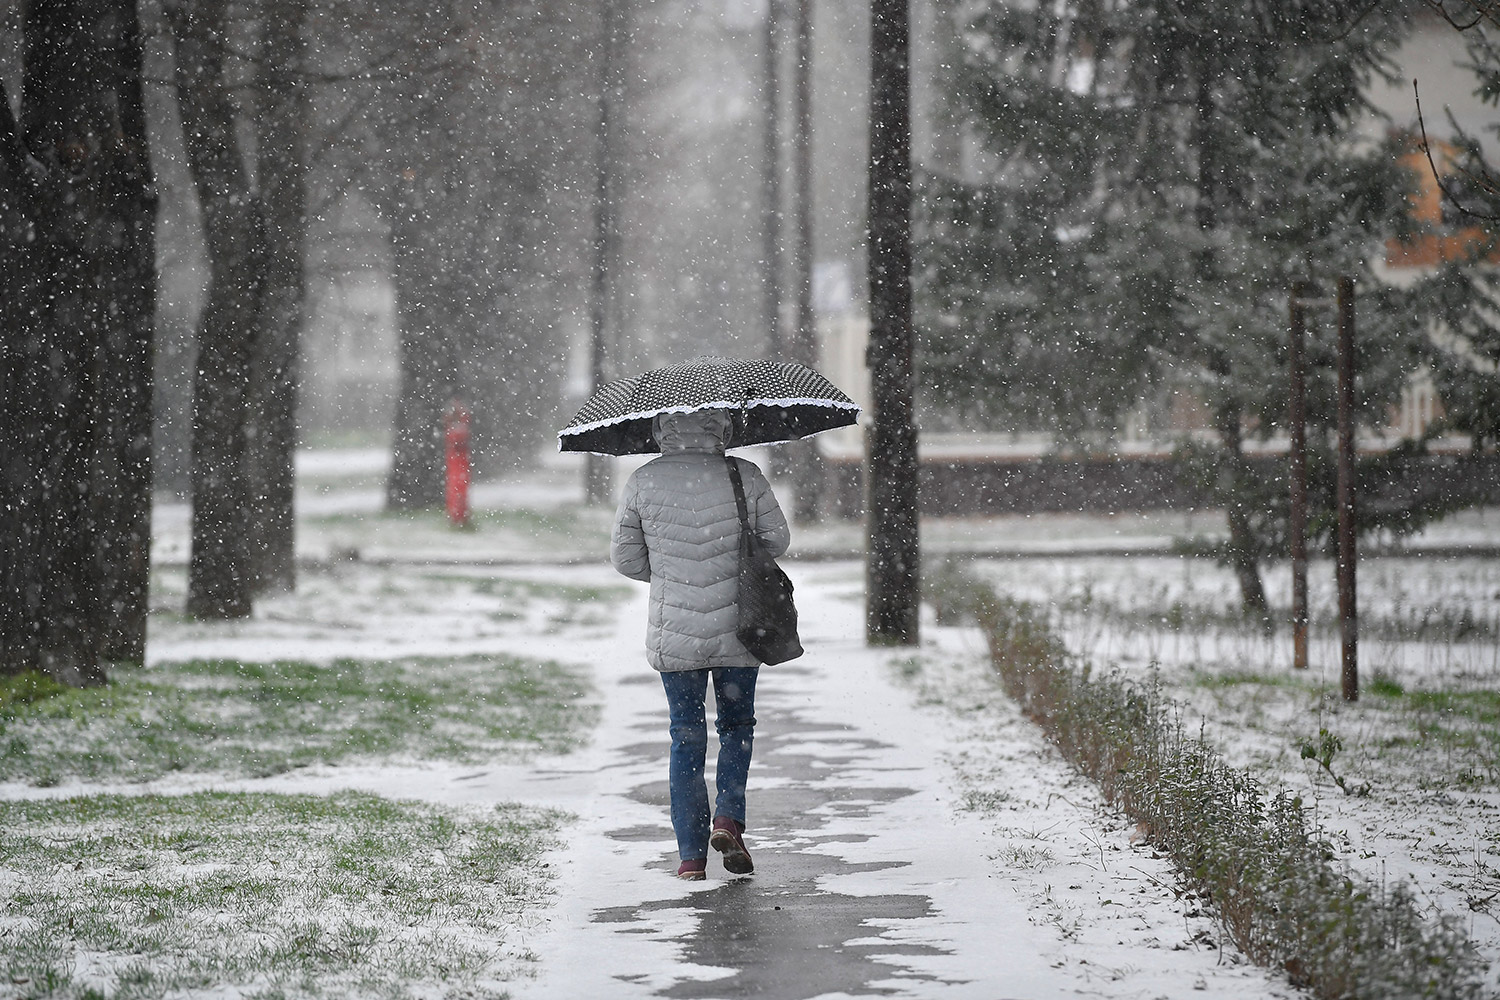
[1418,753]
[914,835]
[918,834]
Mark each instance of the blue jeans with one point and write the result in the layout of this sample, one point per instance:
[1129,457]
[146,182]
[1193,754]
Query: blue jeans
[734,693]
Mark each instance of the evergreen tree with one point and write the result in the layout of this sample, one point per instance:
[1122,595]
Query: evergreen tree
[1161,174]
[1467,369]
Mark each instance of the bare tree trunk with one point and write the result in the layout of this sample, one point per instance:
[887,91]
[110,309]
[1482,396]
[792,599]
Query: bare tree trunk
[808,471]
[281,152]
[76,217]
[1242,556]
[770,192]
[123,485]
[220,577]
[892,571]
[598,473]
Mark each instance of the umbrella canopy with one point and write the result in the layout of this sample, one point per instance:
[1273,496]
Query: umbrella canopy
[773,401]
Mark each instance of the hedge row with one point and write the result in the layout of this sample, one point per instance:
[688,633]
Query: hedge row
[1268,872]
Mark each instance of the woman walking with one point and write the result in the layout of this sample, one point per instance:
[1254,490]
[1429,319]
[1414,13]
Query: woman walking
[678,528]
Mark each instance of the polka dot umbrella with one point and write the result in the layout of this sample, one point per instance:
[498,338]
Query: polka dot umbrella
[772,401]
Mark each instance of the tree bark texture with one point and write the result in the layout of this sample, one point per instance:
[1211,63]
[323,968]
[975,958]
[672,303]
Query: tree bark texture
[892,570]
[220,576]
[1241,552]
[77,248]
[770,192]
[809,476]
[123,473]
[598,473]
[283,115]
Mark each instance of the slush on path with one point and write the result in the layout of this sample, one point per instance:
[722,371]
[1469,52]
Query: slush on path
[875,875]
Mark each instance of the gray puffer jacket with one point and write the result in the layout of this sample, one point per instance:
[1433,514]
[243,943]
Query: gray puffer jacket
[679,529]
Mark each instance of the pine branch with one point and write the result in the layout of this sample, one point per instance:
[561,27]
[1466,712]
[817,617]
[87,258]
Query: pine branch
[1483,10]
[1485,180]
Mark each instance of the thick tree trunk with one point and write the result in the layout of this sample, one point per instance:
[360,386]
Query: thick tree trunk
[809,475]
[219,572]
[123,473]
[75,328]
[1242,556]
[282,169]
[892,572]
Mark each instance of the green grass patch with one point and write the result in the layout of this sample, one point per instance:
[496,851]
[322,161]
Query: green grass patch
[259,719]
[1477,705]
[19,693]
[1436,737]
[320,440]
[1150,608]
[530,590]
[1464,722]
[1218,680]
[265,895]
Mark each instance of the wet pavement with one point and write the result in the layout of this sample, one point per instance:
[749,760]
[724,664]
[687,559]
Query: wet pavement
[865,882]
[822,941]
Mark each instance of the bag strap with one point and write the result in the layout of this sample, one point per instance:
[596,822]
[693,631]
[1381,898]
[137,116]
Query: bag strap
[739,492]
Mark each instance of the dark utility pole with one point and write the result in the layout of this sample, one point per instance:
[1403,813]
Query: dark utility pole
[892,571]
[1297,452]
[771,180]
[1348,613]
[597,468]
[807,468]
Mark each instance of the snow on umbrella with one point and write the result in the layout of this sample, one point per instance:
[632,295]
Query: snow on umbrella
[773,401]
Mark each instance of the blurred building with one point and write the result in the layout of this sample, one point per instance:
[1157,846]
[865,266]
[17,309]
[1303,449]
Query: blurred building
[350,374]
[350,349]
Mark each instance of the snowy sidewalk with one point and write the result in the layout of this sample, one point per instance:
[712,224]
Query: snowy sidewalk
[864,881]
[871,876]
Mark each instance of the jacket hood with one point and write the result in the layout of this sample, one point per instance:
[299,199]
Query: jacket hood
[701,430]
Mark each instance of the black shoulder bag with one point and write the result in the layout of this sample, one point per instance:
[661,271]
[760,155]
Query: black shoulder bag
[768,619]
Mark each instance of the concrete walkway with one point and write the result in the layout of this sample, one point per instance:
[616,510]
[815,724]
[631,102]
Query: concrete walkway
[872,877]
[866,879]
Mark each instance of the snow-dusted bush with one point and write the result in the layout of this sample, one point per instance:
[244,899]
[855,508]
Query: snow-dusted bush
[1253,852]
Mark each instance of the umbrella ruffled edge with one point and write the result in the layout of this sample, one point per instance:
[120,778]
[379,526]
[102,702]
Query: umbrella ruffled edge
[832,404]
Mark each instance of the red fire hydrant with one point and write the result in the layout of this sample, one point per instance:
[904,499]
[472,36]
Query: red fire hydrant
[456,452]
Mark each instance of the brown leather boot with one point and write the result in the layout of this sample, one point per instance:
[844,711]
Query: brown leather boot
[727,840]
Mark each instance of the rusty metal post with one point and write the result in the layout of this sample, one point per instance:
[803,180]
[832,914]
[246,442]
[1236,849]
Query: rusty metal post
[1348,613]
[1296,335]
